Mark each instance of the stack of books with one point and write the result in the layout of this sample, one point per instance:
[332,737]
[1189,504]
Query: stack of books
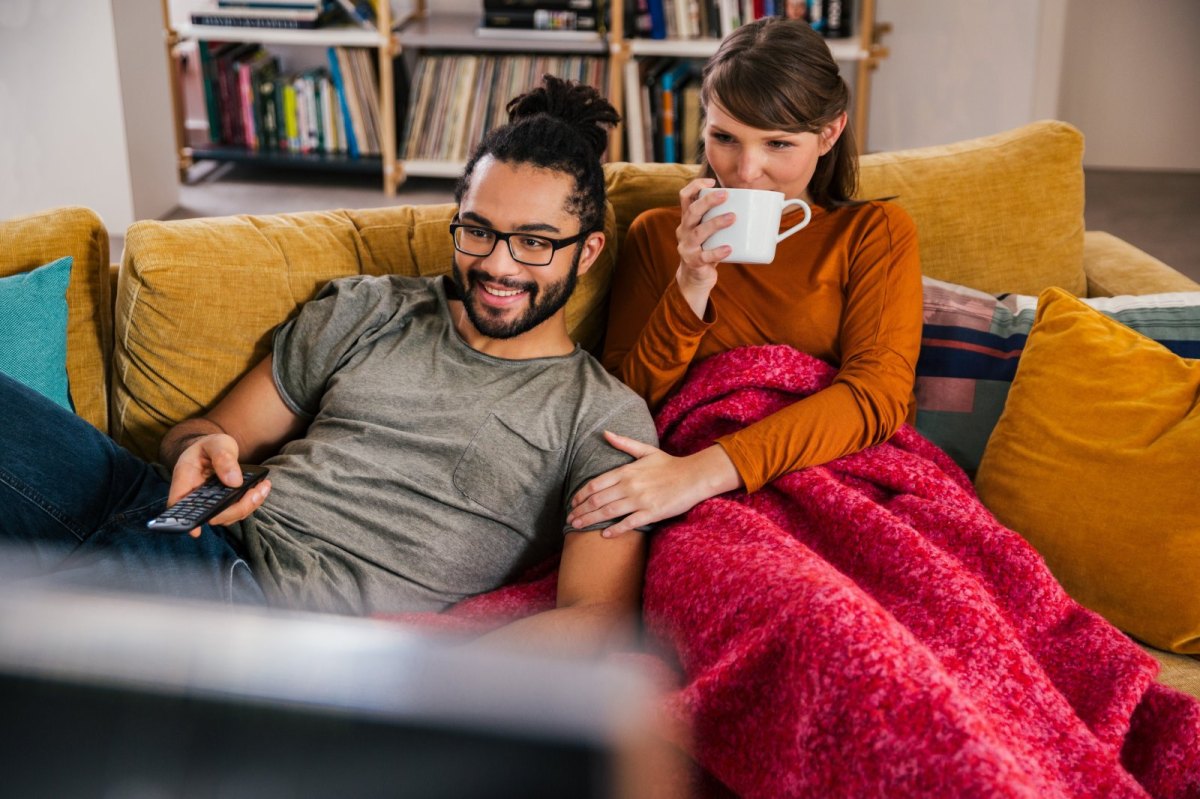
[561,18]
[300,14]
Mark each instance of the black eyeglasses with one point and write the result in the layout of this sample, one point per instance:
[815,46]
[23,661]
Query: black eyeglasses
[524,248]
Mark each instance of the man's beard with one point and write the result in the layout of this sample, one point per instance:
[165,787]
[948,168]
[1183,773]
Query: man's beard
[536,312]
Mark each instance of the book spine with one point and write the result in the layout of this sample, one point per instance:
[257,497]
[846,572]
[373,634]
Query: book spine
[658,20]
[838,16]
[266,94]
[339,86]
[220,20]
[291,123]
[244,102]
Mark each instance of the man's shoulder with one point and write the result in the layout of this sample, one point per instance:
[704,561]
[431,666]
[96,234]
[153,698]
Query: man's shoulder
[597,378]
[603,393]
[382,285]
[381,295]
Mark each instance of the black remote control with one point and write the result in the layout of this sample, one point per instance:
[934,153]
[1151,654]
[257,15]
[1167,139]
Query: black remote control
[204,502]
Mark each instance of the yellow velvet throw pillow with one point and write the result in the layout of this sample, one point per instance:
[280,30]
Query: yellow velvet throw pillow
[1096,461]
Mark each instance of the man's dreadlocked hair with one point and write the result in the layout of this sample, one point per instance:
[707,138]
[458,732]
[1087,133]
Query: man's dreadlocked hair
[563,126]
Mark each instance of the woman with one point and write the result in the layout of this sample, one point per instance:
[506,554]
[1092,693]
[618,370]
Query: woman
[864,628]
[846,289]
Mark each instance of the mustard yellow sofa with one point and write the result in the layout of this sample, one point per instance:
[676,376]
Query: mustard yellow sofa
[194,301]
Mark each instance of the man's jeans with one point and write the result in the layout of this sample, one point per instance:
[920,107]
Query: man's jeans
[74,507]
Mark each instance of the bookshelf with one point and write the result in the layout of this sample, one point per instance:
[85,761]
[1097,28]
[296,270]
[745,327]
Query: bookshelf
[450,33]
[382,41]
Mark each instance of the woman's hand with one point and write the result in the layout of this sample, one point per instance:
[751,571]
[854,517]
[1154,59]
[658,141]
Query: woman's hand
[697,273]
[656,486]
[217,454]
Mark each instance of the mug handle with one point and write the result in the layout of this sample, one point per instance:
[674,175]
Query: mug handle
[802,223]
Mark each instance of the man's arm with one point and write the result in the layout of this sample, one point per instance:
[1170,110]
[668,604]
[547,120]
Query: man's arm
[250,424]
[599,597]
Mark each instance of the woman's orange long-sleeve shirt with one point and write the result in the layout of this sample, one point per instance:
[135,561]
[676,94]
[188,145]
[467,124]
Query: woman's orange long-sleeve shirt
[846,289]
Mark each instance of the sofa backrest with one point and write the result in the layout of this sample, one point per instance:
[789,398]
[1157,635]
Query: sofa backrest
[197,299]
[27,242]
[1001,213]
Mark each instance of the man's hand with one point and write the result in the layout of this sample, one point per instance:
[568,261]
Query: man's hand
[217,454]
[654,487]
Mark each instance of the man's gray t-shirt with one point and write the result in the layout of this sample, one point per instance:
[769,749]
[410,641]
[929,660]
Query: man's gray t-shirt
[430,471]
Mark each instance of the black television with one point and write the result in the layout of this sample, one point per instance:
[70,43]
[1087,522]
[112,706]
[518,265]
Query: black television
[122,697]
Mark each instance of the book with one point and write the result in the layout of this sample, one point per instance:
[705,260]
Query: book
[838,18]
[270,122]
[637,19]
[208,77]
[541,19]
[658,19]
[359,11]
[532,33]
[258,18]
[729,13]
[286,5]
[351,92]
[689,123]
[671,82]
[339,86]
[634,122]
[550,5]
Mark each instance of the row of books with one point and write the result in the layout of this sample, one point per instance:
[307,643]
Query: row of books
[328,110]
[457,98]
[715,19]
[295,14]
[662,114]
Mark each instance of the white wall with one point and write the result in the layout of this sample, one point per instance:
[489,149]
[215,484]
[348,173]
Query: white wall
[1131,82]
[957,69]
[78,126]
[1126,73]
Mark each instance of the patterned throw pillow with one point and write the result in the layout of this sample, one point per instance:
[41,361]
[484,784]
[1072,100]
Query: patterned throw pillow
[33,329]
[972,342]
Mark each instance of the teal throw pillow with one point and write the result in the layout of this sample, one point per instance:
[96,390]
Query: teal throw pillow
[33,329]
[972,341]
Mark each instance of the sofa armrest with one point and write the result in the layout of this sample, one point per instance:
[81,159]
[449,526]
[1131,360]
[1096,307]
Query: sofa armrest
[1114,266]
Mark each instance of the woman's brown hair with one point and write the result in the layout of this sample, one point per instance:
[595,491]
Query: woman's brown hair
[778,74]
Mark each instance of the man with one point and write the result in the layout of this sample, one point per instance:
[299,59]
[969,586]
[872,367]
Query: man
[424,435]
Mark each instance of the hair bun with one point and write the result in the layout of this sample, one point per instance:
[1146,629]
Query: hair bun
[578,105]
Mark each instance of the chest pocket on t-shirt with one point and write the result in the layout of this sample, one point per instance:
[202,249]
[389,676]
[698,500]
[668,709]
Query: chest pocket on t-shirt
[514,473]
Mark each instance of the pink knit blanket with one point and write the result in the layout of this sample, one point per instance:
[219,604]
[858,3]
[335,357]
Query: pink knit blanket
[867,628]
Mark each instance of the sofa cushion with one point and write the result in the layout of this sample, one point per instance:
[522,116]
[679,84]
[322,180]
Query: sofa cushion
[997,213]
[33,329]
[197,299]
[972,341]
[1094,462]
[36,239]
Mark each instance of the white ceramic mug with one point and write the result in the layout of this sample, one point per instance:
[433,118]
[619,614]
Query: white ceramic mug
[755,229]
